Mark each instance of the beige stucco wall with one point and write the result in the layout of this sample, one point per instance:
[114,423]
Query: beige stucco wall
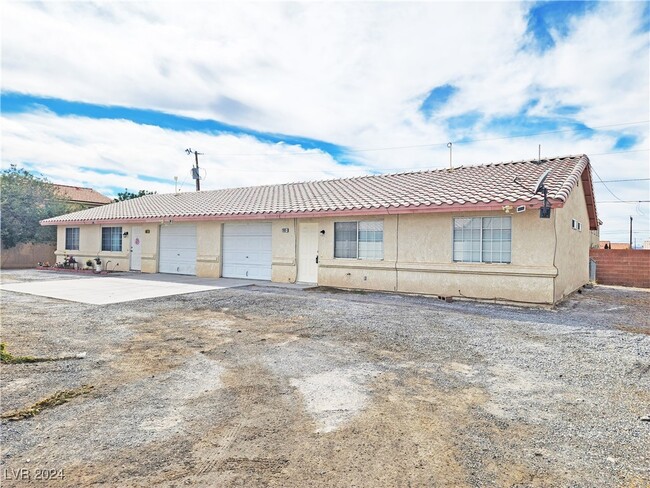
[149,248]
[418,259]
[284,266]
[90,244]
[208,249]
[417,255]
[572,256]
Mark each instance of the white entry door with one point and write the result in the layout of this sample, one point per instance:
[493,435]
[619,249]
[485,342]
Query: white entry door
[136,248]
[308,253]
[178,249]
[247,251]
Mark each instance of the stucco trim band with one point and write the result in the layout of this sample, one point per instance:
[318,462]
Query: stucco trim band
[456,268]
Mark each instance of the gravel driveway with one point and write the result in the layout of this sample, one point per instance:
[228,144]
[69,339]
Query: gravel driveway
[273,387]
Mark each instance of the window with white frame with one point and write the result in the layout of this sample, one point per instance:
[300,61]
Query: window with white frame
[483,239]
[72,238]
[111,238]
[359,240]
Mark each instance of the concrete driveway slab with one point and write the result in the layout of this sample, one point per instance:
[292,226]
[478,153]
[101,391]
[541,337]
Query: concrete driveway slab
[106,290]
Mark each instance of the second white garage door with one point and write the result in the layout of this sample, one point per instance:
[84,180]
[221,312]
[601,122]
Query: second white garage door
[178,249]
[247,251]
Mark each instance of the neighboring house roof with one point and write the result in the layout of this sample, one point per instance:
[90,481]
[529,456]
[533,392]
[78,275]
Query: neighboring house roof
[80,194]
[613,245]
[465,188]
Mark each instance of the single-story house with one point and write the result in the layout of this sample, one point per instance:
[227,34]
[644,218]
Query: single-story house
[470,231]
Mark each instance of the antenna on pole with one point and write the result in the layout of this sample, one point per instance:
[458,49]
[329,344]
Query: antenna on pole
[449,144]
[539,154]
[195,169]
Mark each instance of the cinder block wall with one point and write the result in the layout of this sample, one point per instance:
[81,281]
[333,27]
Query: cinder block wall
[625,267]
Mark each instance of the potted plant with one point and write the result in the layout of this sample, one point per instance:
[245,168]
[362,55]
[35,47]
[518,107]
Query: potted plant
[98,265]
[89,264]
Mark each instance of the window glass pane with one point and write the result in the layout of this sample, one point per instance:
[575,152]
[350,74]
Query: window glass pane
[467,239]
[111,238]
[371,240]
[462,223]
[72,238]
[486,239]
[496,239]
[345,239]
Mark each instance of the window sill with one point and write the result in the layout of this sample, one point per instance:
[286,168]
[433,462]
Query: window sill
[358,259]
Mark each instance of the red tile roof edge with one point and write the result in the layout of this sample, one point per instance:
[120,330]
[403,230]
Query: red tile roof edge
[338,196]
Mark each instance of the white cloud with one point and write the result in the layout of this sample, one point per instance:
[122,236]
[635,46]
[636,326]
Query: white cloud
[353,74]
[80,150]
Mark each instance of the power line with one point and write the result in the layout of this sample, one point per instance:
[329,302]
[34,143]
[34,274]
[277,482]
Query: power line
[604,184]
[610,231]
[466,141]
[622,181]
[342,169]
[617,152]
[622,201]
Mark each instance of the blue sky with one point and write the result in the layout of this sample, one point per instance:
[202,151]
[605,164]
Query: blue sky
[288,92]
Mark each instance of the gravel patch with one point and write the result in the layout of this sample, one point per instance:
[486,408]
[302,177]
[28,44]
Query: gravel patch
[283,387]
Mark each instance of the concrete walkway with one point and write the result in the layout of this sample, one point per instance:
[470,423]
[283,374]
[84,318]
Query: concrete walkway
[127,287]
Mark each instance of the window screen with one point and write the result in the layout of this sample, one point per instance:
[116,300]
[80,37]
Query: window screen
[359,240]
[111,238]
[371,240]
[345,239]
[483,239]
[72,238]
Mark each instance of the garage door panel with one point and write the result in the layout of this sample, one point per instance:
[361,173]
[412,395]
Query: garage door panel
[178,249]
[247,251]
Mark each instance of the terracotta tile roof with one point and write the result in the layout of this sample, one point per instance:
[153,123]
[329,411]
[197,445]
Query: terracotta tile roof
[462,188]
[80,194]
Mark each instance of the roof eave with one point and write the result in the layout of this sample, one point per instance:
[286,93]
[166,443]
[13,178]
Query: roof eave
[590,198]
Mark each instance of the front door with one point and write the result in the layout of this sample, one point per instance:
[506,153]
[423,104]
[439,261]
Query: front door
[136,248]
[308,253]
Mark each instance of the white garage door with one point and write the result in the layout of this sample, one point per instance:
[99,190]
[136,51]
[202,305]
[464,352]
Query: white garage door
[247,251]
[178,249]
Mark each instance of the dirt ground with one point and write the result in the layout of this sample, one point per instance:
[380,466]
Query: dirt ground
[272,387]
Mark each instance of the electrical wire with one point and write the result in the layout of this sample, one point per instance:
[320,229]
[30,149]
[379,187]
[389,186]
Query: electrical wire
[605,185]
[623,201]
[467,141]
[621,181]
[184,180]
[357,169]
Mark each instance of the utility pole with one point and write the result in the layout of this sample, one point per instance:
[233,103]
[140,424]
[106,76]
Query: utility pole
[195,169]
[198,179]
[631,232]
